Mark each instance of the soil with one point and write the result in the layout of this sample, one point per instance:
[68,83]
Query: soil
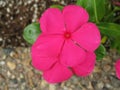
[15,15]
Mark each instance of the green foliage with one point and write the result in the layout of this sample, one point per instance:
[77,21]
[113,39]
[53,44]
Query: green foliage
[103,14]
[95,8]
[100,52]
[31,32]
[110,15]
[57,6]
[112,31]
[116,44]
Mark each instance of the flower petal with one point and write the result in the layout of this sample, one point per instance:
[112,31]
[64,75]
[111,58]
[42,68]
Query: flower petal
[52,21]
[117,67]
[88,37]
[43,64]
[74,17]
[72,54]
[87,66]
[45,51]
[57,74]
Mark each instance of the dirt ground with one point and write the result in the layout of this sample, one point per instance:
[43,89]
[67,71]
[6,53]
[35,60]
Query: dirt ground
[16,14]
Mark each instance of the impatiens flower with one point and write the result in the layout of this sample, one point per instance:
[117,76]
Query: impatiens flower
[66,45]
[117,68]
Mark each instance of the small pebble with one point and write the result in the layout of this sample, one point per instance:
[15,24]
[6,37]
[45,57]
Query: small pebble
[8,10]
[43,83]
[29,2]
[21,18]
[52,87]
[108,86]
[11,65]
[36,1]
[4,57]
[100,85]
[10,5]
[107,68]
[8,73]
[2,62]
[13,76]
[1,39]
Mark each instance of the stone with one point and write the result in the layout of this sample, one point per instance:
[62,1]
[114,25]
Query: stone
[4,57]
[8,73]
[2,62]
[100,85]
[13,76]
[52,87]
[1,39]
[43,83]
[108,86]
[90,87]
[7,51]
[11,65]
[26,62]
[97,70]
[36,1]
[107,68]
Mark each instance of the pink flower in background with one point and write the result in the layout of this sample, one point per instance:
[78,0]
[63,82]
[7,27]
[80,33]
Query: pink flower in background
[116,2]
[117,68]
[66,45]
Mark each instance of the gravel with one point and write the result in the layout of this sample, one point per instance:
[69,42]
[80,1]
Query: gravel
[17,73]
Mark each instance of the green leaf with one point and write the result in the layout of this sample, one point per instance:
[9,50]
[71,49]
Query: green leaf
[81,2]
[31,32]
[110,13]
[116,44]
[57,6]
[100,52]
[104,39]
[112,31]
[95,8]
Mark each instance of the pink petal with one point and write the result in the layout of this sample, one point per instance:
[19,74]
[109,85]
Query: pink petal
[57,74]
[88,37]
[87,66]
[45,51]
[43,64]
[117,67]
[72,54]
[52,21]
[74,17]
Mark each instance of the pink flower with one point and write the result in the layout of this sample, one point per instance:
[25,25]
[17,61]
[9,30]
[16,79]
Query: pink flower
[66,45]
[116,2]
[117,68]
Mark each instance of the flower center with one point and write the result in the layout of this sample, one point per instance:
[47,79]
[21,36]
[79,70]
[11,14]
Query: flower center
[67,35]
